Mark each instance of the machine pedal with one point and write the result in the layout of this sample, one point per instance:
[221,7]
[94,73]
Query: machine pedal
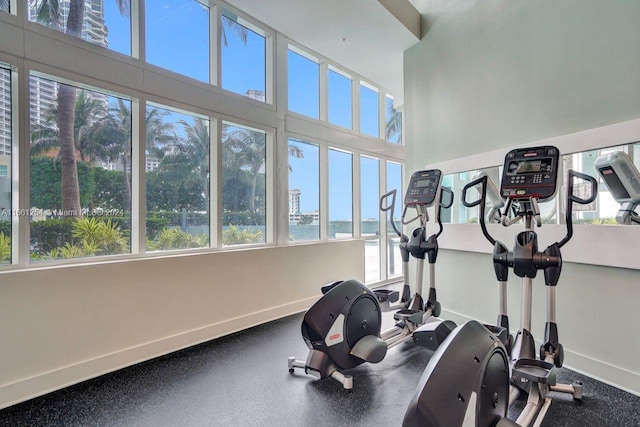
[535,370]
[414,316]
[432,334]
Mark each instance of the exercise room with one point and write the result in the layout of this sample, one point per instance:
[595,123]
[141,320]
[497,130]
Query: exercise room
[319,213]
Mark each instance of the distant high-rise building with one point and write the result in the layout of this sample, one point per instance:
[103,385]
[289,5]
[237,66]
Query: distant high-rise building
[43,93]
[255,94]
[5,111]
[294,201]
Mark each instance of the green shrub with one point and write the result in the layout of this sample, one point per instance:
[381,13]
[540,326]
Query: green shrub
[5,248]
[234,236]
[173,238]
[50,234]
[95,235]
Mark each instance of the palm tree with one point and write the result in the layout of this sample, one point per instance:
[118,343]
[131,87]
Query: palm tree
[394,125]
[122,150]
[295,152]
[158,133]
[235,28]
[194,153]
[93,130]
[251,156]
[48,11]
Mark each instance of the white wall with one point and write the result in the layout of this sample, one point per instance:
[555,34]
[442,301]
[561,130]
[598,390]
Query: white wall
[489,75]
[62,325]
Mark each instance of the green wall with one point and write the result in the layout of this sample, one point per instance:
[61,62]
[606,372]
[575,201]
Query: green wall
[496,73]
[492,74]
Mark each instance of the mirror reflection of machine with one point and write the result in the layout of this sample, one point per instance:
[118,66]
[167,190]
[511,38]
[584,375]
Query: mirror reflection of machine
[622,178]
[495,202]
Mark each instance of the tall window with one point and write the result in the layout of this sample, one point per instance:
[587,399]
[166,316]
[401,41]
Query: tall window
[177,179]
[394,182]
[393,124]
[340,194]
[244,193]
[369,111]
[80,174]
[177,36]
[370,216]
[304,191]
[4,6]
[304,85]
[104,23]
[340,99]
[243,57]
[5,165]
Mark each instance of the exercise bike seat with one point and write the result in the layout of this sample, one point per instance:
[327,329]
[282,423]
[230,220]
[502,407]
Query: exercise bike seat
[370,348]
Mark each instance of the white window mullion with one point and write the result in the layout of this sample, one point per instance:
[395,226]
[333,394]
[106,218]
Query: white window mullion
[20,164]
[382,116]
[215,182]
[280,167]
[138,176]
[324,91]
[138,40]
[382,185]
[214,46]
[355,99]
[324,192]
[357,196]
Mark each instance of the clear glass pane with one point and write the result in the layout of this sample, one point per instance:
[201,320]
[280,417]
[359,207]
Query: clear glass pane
[394,182]
[370,215]
[177,36]
[394,258]
[102,23]
[304,85]
[369,196]
[5,166]
[243,58]
[244,191]
[304,191]
[80,172]
[372,260]
[177,180]
[394,122]
[4,6]
[340,100]
[369,112]
[340,194]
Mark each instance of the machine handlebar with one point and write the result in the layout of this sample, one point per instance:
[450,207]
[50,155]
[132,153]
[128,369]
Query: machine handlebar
[390,207]
[481,201]
[571,198]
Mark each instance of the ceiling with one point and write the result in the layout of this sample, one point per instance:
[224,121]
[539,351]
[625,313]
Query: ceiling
[365,36]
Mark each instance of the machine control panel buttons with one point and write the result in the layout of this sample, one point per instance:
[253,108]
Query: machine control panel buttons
[423,187]
[530,172]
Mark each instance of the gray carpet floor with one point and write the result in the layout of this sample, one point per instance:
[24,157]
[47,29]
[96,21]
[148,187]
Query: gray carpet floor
[243,380]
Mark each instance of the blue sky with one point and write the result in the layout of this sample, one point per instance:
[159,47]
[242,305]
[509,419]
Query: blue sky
[177,38]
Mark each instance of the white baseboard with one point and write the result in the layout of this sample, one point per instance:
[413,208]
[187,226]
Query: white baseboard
[612,375]
[37,385]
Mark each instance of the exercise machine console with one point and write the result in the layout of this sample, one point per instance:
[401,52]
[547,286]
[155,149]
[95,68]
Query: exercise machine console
[473,378]
[622,178]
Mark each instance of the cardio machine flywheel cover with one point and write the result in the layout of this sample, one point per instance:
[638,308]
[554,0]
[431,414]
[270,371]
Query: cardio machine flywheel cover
[363,319]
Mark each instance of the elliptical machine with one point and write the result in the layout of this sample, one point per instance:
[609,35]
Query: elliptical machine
[343,328]
[472,379]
